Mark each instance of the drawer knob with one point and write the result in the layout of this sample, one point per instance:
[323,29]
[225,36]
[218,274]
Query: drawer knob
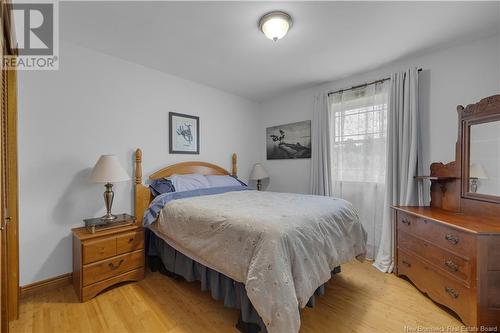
[406,221]
[451,292]
[130,240]
[451,265]
[452,239]
[406,263]
[112,266]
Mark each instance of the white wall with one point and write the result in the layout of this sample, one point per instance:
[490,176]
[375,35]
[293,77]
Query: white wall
[459,75]
[97,104]
[498,42]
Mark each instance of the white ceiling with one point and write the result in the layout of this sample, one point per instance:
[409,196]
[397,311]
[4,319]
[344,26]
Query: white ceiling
[219,44]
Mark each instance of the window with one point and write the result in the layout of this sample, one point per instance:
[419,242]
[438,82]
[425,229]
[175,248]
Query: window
[359,127]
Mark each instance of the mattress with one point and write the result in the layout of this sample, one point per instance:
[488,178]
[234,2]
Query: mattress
[281,246]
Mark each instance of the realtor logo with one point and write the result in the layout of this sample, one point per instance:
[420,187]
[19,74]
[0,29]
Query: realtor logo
[36,31]
[34,28]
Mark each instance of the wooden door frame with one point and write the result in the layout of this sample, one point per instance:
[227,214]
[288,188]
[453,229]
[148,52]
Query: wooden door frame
[10,216]
[12,200]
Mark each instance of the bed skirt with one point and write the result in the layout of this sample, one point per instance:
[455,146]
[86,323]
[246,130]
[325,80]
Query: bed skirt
[221,287]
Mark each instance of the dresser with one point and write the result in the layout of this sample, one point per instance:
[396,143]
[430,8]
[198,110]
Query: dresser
[454,258]
[450,250]
[105,258]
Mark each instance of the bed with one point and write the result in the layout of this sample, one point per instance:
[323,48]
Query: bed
[268,254]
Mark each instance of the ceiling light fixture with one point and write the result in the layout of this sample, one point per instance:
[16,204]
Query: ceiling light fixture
[275,24]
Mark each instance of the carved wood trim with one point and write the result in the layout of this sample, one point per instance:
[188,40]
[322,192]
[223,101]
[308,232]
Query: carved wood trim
[439,169]
[487,105]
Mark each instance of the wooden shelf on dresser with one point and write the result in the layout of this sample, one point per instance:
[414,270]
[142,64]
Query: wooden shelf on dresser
[105,258]
[454,258]
[437,178]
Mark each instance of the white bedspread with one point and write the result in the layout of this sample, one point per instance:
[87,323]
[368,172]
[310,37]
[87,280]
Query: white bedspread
[282,246]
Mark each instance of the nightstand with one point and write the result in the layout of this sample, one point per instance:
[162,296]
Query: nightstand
[105,258]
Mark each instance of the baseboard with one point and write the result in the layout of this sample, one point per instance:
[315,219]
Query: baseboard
[44,285]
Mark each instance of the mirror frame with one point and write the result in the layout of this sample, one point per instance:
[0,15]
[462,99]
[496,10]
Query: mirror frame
[473,115]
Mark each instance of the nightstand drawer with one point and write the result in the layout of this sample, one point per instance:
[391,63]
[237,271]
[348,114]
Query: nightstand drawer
[130,242]
[96,250]
[91,291]
[111,267]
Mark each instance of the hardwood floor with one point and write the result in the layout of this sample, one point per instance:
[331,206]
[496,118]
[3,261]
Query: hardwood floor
[360,299]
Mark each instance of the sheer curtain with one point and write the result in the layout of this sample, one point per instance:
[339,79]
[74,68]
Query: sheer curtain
[358,129]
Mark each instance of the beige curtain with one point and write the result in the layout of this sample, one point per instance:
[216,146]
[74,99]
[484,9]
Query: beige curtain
[404,158]
[321,170]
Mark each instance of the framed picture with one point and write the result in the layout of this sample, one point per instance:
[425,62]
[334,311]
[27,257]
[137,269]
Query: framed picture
[289,141]
[184,135]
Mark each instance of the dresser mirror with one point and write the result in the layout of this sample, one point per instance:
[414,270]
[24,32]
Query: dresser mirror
[481,163]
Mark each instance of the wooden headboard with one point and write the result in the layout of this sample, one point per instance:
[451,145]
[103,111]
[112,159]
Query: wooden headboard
[143,195]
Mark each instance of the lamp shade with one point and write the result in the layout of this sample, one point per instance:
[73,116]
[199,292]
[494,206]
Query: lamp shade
[258,172]
[476,170]
[108,170]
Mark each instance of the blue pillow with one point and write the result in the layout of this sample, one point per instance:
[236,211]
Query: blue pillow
[160,186]
[189,182]
[222,181]
[239,181]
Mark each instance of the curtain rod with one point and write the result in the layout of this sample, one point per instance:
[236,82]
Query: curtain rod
[363,85]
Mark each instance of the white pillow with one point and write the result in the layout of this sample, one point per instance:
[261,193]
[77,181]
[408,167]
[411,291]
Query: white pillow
[189,182]
[221,181]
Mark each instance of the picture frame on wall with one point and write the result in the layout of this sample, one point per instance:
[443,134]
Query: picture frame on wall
[184,133]
[289,141]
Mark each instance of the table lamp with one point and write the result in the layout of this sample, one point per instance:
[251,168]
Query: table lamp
[108,170]
[476,171]
[259,173]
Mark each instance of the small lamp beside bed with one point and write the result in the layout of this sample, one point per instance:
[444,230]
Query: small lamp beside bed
[108,170]
[258,173]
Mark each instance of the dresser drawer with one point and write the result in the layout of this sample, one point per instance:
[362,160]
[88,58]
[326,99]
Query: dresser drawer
[129,242]
[440,288]
[454,265]
[111,267]
[439,234]
[98,249]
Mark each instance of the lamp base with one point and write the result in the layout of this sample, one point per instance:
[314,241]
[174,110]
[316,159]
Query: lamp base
[473,185]
[108,217]
[108,201]
[259,185]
